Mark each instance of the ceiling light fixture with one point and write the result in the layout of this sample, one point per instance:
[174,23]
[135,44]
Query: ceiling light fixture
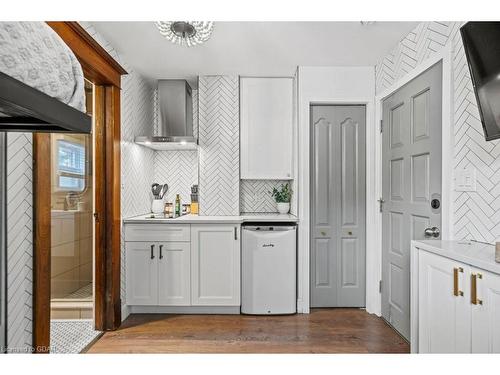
[186,33]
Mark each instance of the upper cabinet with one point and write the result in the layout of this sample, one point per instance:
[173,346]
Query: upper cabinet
[266,128]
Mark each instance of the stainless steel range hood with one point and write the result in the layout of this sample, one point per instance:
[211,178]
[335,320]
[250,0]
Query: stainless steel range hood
[175,118]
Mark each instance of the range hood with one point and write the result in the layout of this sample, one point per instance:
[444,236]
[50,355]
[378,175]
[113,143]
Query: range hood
[26,109]
[175,118]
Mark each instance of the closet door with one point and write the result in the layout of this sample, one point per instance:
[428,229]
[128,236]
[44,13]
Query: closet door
[338,206]
[485,302]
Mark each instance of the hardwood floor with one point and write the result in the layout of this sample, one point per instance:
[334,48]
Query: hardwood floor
[322,331]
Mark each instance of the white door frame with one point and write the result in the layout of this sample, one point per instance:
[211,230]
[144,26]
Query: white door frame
[304,203]
[374,192]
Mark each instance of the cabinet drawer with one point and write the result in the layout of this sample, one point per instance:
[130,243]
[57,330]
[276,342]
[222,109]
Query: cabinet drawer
[158,232]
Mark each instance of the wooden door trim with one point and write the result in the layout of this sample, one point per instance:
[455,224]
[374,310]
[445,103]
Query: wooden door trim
[42,242]
[105,73]
[98,66]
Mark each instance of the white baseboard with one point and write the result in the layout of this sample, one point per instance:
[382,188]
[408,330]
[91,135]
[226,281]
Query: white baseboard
[184,310]
[125,312]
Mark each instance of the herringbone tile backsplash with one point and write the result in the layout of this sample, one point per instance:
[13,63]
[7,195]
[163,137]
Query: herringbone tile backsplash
[476,214]
[255,195]
[219,145]
[178,169]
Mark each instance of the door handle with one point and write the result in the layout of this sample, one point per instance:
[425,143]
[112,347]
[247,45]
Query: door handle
[473,289]
[456,291]
[432,232]
[161,252]
[152,251]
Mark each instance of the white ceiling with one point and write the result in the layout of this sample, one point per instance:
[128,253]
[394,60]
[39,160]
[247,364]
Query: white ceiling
[253,48]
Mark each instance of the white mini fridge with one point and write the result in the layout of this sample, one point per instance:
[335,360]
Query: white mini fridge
[269,269]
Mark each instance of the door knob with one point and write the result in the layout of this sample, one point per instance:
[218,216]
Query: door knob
[432,232]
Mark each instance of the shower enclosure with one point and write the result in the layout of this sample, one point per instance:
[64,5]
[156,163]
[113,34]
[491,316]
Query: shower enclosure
[72,200]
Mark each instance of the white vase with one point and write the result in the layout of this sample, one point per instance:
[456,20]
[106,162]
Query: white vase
[157,206]
[283,208]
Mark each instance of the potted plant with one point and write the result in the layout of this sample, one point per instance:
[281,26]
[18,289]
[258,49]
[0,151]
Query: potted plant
[282,196]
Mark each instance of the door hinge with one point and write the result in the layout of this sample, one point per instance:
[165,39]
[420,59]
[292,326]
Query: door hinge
[380,286]
[381,202]
[381,126]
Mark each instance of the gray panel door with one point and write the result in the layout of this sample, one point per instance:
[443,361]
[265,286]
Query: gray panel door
[338,206]
[3,249]
[411,173]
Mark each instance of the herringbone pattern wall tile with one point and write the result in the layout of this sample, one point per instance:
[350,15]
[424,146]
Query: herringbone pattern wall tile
[219,145]
[255,195]
[19,240]
[476,214]
[178,169]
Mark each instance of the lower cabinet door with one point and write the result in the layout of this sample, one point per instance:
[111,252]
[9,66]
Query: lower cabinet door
[141,269]
[174,274]
[485,302]
[215,265]
[444,324]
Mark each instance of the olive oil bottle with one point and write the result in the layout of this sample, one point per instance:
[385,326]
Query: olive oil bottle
[177,205]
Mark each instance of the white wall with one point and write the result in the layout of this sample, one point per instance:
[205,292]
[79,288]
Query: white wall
[335,85]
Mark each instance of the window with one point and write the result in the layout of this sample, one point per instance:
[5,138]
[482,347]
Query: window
[70,166]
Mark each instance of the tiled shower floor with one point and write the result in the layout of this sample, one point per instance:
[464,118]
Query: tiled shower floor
[71,336]
[84,292]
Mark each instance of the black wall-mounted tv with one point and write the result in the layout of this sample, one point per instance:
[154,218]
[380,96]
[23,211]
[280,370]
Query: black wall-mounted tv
[482,48]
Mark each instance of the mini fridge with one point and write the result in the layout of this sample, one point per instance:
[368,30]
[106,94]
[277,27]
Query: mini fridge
[269,269]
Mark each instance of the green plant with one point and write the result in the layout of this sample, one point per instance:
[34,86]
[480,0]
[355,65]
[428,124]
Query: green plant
[283,194]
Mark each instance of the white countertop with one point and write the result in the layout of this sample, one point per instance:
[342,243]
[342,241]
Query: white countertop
[195,219]
[473,253]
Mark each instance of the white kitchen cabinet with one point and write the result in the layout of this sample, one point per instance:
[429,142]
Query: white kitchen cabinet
[444,312]
[485,312]
[174,274]
[266,128]
[455,298]
[215,265]
[141,273]
[158,273]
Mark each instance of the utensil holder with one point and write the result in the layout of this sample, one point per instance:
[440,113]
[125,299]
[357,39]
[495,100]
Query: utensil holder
[157,206]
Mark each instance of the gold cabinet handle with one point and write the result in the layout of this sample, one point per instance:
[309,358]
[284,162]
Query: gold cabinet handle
[473,289]
[456,291]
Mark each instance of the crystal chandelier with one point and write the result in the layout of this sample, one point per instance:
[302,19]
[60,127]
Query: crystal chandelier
[186,33]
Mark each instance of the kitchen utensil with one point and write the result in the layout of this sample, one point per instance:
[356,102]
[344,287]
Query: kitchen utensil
[164,189]
[194,189]
[156,189]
